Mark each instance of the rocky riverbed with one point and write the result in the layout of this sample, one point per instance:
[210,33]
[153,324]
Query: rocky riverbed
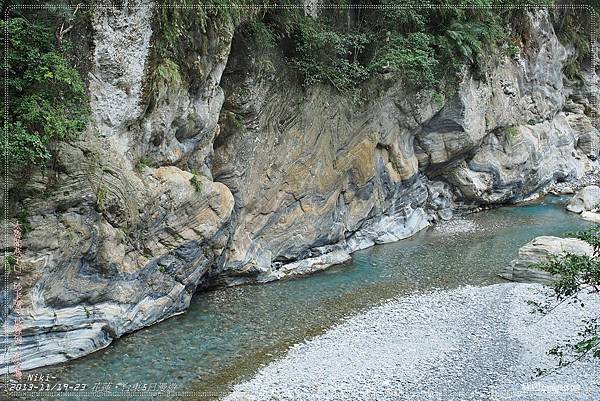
[470,343]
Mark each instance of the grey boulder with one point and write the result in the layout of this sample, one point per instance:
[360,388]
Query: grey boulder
[539,250]
[587,199]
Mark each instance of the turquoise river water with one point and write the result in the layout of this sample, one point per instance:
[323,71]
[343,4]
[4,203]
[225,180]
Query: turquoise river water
[228,333]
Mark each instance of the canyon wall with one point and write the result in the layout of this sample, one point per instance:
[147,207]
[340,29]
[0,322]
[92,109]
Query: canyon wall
[242,175]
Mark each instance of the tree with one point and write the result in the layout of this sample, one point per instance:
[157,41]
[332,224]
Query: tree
[575,274]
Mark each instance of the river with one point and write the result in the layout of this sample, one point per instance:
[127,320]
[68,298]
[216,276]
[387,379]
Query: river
[228,333]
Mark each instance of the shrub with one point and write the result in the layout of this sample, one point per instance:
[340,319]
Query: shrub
[324,55]
[9,263]
[411,57]
[238,122]
[47,100]
[591,236]
[511,132]
[572,70]
[167,73]
[142,163]
[574,274]
[438,99]
[196,182]
[261,34]
[173,42]
[573,29]
[101,197]
[422,46]
[23,219]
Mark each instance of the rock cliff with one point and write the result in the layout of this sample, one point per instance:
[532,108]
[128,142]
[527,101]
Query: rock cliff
[242,175]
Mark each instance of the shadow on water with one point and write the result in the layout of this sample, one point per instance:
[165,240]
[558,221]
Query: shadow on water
[227,334]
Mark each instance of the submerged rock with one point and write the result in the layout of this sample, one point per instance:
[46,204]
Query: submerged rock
[538,251]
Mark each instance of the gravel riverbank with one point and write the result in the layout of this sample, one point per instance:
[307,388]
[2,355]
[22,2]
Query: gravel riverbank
[472,343]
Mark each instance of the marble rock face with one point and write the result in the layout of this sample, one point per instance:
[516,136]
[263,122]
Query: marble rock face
[238,174]
[120,244]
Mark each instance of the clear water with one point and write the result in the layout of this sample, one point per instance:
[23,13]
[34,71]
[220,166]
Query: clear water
[228,333]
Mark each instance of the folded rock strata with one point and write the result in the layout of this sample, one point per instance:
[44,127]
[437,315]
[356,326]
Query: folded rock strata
[241,175]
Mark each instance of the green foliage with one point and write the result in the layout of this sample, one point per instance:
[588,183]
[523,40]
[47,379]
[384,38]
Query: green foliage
[591,236]
[173,40]
[403,20]
[573,30]
[238,122]
[167,73]
[47,100]
[9,263]
[425,47]
[511,132]
[591,343]
[471,41]
[574,274]
[466,39]
[142,163]
[570,352]
[88,313]
[23,219]
[175,23]
[572,70]
[411,57]
[101,197]
[265,66]
[324,55]
[196,182]
[262,35]
[512,49]
[438,99]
